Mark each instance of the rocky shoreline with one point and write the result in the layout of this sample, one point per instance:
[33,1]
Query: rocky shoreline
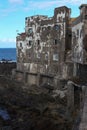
[32,107]
[6,68]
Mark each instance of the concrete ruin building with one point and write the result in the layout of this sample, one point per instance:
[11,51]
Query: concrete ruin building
[79,43]
[53,46]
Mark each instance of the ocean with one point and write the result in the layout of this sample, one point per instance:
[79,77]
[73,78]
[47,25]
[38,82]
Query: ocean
[8,54]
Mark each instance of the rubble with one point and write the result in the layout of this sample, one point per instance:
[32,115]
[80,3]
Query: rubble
[34,108]
[59,93]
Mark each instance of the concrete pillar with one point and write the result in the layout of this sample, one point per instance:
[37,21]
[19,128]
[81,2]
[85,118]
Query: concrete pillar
[38,79]
[82,97]
[25,77]
[75,69]
[70,96]
[55,81]
[31,79]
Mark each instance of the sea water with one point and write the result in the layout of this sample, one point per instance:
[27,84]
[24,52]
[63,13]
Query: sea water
[8,54]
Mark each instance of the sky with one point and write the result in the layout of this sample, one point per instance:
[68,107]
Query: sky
[13,13]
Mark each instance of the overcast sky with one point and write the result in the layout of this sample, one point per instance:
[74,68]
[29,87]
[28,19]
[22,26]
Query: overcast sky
[13,13]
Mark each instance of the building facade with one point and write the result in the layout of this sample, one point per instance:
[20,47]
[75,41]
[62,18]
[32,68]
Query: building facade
[53,46]
[79,42]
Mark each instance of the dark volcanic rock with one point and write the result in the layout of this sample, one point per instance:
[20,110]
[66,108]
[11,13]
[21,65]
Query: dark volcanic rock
[6,68]
[32,107]
[34,110]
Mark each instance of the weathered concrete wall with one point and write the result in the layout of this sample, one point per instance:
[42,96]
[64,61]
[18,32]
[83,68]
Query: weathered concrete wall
[77,42]
[45,37]
[79,32]
[70,96]
[82,72]
[31,79]
[45,47]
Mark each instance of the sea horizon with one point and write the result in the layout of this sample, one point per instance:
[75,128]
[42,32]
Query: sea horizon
[8,47]
[8,54]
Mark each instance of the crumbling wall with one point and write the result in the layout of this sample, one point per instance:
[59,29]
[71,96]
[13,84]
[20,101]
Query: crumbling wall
[45,37]
[77,42]
[45,46]
[79,32]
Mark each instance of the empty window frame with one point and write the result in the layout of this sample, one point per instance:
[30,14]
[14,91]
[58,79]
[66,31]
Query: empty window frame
[30,30]
[20,44]
[55,57]
[86,17]
[55,41]
[38,42]
[46,56]
[77,32]
[49,27]
[30,43]
[80,33]
[38,55]
[57,27]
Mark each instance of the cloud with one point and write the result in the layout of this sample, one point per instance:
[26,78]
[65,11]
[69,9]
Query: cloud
[16,1]
[48,4]
[11,7]
[35,5]
[40,5]
[6,11]
[7,40]
[7,43]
